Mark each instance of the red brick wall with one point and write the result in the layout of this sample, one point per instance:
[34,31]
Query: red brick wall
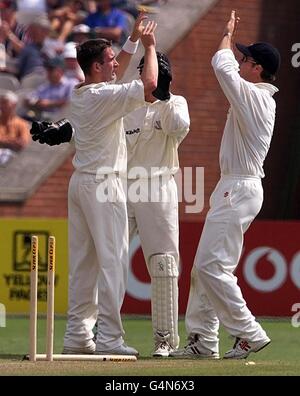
[263,20]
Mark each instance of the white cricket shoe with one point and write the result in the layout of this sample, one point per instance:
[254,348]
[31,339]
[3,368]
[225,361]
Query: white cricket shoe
[87,350]
[162,349]
[242,348]
[162,345]
[195,350]
[120,350]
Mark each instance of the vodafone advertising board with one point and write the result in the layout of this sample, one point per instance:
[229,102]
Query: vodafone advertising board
[268,272]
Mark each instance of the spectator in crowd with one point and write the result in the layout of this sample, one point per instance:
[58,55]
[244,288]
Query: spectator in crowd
[14,131]
[8,35]
[32,6]
[108,22]
[64,18]
[31,57]
[72,68]
[129,6]
[81,33]
[52,47]
[50,98]
[91,6]
[54,5]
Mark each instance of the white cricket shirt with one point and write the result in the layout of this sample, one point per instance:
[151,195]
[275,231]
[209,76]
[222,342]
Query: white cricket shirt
[153,134]
[250,122]
[97,112]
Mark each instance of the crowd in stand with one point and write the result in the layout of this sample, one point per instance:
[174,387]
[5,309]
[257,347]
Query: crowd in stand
[38,66]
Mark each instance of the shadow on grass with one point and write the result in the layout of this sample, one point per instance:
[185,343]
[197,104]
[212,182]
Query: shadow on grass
[12,357]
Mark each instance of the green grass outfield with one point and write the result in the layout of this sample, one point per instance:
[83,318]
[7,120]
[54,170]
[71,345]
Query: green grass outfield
[280,358]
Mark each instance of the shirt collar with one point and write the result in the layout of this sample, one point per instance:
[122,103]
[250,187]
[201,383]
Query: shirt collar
[268,87]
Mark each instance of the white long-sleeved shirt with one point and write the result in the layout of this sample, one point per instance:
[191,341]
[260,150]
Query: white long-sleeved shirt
[250,122]
[153,134]
[97,112]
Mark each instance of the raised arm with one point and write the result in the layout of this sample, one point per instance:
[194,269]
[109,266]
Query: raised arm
[130,46]
[226,68]
[150,70]
[229,31]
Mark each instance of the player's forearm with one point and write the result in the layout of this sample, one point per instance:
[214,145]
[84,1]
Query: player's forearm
[150,70]
[226,42]
[130,46]
[229,31]
[125,55]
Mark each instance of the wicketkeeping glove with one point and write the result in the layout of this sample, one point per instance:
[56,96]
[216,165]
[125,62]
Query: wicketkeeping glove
[52,133]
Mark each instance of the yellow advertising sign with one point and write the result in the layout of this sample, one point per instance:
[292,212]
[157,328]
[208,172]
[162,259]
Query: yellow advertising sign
[15,259]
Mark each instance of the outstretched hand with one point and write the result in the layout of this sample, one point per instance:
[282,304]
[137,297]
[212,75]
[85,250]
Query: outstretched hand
[232,24]
[147,37]
[138,27]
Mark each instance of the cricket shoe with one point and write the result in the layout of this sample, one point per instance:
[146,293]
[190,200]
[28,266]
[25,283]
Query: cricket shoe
[194,350]
[162,344]
[120,350]
[162,349]
[87,350]
[242,348]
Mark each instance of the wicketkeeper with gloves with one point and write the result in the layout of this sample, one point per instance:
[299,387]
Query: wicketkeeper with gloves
[153,134]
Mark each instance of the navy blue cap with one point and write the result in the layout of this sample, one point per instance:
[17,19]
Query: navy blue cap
[264,54]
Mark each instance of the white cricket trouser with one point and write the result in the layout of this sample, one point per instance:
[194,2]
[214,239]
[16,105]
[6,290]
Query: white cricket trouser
[98,263]
[214,293]
[155,222]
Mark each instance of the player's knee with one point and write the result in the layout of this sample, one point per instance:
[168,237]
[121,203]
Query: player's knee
[163,266]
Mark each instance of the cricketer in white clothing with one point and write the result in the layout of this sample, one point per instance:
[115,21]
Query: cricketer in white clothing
[235,202]
[153,134]
[98,231]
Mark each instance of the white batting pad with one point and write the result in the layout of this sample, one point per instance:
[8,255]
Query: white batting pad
[164,285]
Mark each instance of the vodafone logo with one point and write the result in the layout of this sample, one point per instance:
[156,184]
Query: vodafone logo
[280,266]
